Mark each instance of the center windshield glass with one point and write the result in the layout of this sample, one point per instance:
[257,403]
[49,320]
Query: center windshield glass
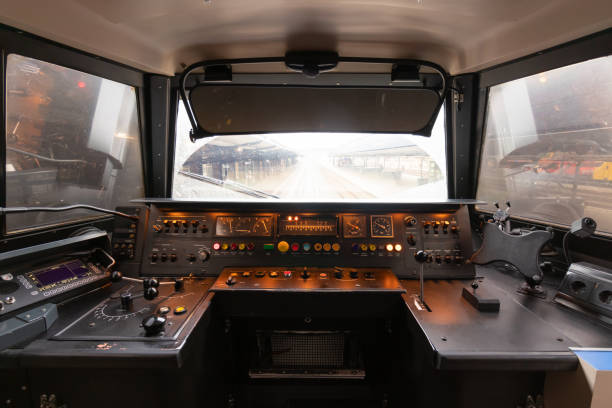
[310,166]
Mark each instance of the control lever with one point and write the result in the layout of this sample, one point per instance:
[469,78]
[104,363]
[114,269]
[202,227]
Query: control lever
[421,258]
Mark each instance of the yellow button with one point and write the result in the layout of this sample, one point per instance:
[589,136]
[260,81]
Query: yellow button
[363,247]
[336,247]
[372,247]
[224,246]
[241,246]
[389,247]
[318,246]
[283,246]
[180,310]
[326,247]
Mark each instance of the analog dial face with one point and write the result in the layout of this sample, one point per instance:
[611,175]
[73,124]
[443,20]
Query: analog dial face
[382,226]
[237,226]
[354,226]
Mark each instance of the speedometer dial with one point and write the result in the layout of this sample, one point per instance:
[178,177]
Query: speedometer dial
[382,226]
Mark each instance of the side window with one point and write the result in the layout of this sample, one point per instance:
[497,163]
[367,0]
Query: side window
[71,137]
[548,145]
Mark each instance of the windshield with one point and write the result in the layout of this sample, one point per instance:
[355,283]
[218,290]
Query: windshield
[548,145]
[311,166]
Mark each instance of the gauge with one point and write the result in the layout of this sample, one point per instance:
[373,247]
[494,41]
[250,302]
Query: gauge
[354,226]
[382,226]
[235,226]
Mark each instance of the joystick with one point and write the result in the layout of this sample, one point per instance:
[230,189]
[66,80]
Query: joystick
[116,276]
[153,324]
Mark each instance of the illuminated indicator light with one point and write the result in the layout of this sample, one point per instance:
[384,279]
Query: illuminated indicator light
[327,247]
[216,246]
[318,246]
[268,247]
[273,274]
[224,246]
[363,247]
[295,247]
[306,246]
[234,246]
[287,273]
[336,247]
[81,84]
[283,246]
[372,247]
[389,247]
[323,275]
[398,247]
[241,246]
[290,218]
[295,218]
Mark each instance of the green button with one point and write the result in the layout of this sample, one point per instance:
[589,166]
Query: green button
[268,247]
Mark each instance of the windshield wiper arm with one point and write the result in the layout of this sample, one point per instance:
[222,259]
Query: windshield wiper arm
[231,185]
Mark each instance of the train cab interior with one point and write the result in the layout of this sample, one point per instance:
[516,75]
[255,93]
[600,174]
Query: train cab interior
[290,204]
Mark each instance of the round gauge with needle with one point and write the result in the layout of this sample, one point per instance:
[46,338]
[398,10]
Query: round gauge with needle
[382,226]
[354,226]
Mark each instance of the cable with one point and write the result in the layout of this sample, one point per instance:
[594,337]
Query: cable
[565,249]
[14,210]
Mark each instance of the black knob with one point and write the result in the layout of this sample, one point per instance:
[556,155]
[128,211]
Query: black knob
[420,256]
[448,259]
[191,258]
[411,240]
[305,274]
[116,276]
[339,274]
[231,281]
[150,293]
[354,274]
[150,283]
[164,257]
[153,324]
[126,301]
[179,284]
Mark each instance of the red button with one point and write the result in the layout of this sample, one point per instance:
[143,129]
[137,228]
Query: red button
[295,246]
[234,246]
[216,246]
[287,274]
[250,246]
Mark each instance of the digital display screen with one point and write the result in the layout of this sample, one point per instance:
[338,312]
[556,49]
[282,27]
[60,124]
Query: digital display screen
[308,225]
[53,275]
[60,273]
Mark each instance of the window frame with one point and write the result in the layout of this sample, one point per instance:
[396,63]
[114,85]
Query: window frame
[13,41]
[590,47]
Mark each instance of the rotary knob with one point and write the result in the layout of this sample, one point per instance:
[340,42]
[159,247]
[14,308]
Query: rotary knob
[153,324]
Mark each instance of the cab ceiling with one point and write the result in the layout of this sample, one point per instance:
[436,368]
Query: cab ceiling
[162,36]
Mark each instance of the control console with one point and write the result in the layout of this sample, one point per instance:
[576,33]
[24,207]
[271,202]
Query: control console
[184,240]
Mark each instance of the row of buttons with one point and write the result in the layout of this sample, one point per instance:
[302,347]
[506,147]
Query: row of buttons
[175,226]
[389,247]
[287,274]
[435,226]
[234,246]
[283,246]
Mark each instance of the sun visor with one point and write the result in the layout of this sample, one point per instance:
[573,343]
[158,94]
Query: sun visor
[232,109]
[405,99]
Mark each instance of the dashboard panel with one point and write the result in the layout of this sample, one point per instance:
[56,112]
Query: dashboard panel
[197,241]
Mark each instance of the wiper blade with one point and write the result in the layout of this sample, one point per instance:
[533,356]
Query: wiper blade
[231,185]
